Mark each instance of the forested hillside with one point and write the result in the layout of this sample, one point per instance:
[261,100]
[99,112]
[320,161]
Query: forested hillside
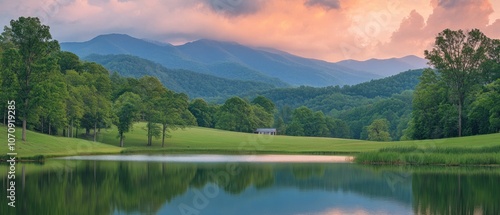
[195,85]
[225,59]
[54,92]
[336,97]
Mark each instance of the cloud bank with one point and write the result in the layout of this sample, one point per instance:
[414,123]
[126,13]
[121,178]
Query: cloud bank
[331,30]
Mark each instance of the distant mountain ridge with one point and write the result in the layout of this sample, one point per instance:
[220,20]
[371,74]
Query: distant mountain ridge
[386,67]
[195,85]
[228,60]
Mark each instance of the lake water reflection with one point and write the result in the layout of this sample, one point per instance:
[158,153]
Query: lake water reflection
[109,185]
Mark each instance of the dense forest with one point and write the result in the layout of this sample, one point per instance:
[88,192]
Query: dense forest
[57,93]
[195,85]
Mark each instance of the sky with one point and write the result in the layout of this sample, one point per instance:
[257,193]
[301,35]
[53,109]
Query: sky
[330,30]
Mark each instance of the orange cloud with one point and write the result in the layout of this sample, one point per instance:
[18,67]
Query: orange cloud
[414,36]
[325,29]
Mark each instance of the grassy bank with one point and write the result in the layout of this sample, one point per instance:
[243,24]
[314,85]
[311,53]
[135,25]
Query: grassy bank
[39,146]
[483,149]
[207,140]
[450,156]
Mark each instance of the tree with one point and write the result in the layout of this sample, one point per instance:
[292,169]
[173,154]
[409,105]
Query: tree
[319,126]
[9,85]
[34,43]
[486,109]
[430,106]
[97,98]
[260,117]
[295,129]
[202,112]
[379,130]
[235,115]
[171,106]
[492,66]
[338,128]
[304,117]
[68,61]
[458,56]
[126,109]
[50,95]
[151,91]
[74,102]
[265,103]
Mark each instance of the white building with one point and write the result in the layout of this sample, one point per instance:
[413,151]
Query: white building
[268,131]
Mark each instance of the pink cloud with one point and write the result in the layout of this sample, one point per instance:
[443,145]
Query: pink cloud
[326,29]
[416,35]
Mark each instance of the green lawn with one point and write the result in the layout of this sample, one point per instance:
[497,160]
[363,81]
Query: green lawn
[51,146]
[204,140]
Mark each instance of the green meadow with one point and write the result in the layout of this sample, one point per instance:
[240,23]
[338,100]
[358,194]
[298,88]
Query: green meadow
[482,149]
[38,144]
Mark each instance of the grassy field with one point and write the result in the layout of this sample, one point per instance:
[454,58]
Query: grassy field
[413,155]
[198,139]
[204,140]
[51,146]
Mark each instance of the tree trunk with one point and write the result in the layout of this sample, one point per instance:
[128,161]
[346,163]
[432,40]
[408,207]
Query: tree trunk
[25,116]
[163,135]
[150,135]
[95,131]
[459,118]
[49,128]
[42,126]
[121,139]
[72,127]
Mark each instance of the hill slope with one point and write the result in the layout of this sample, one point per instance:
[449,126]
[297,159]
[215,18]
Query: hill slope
[386,67]
[224,59]
[193,84]
[340,97]
[205,140]
[43,144]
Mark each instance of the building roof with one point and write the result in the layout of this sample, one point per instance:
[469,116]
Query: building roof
[265,130]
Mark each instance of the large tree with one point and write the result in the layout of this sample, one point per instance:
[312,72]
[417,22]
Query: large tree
[97,97]
[151,91]
[9,87]
[34,43]
[126,109]
[265,103]
[458,56]
[203,113]
[379,130]
[235,115]
[171,107]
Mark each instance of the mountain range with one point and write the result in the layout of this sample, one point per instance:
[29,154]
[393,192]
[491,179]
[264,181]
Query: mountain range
[195,85]
[233,61]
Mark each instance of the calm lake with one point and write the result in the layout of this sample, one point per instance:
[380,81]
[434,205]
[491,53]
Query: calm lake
[215,184]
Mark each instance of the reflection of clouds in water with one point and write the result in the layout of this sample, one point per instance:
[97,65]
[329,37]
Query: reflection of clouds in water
[218,158]
[357,211]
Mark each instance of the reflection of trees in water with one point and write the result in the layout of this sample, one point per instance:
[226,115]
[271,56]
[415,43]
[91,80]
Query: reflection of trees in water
[231,180]
[102,188]
[305,171]
[438,193]
[358,179]
[105,187]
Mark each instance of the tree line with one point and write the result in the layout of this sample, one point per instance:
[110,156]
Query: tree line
[57,93]
[461,95]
